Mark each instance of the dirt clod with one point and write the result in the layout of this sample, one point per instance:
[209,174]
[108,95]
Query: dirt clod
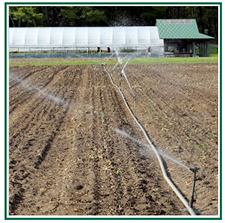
[65,159]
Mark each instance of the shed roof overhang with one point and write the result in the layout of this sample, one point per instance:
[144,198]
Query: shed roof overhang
[180,29]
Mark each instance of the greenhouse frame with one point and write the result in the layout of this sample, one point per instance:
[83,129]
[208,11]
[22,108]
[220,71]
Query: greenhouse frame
[85,39]
[170,37]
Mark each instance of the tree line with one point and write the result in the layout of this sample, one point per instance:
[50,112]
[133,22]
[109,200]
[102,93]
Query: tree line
[93,16]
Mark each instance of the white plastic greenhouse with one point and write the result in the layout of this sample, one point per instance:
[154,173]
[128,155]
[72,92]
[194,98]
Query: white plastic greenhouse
[77,38]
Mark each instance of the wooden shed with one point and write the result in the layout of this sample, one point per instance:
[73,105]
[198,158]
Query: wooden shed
[181,37]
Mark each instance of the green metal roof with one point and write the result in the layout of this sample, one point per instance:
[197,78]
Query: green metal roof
[179,29]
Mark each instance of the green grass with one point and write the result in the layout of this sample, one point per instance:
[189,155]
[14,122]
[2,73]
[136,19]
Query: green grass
[140,61]
[57,62]
[213,51]
[213,58]
[174,60]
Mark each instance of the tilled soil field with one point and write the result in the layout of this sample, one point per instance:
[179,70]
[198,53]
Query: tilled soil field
[65,158]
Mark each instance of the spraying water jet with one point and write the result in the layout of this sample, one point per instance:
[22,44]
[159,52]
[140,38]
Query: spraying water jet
[30,86]
[194,170]
[174,188]
[147,146]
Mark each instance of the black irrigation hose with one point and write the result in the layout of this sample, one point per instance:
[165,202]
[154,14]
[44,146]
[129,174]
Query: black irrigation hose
[189,209]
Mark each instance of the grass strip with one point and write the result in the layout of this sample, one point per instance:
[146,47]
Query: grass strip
[24,62]
[174,60]
[135,61]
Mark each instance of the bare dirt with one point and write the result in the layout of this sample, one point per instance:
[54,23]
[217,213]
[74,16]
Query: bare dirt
[64,159]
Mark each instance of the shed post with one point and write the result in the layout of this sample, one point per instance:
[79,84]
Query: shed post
[193,49]
[207,49]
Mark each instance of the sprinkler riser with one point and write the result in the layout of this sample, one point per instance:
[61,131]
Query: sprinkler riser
[192,200]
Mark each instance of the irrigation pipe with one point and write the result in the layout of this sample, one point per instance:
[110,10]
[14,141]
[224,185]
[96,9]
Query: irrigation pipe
[177,192]
[125,76]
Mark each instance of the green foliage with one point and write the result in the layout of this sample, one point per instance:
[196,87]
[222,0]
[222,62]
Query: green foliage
[213,51]
[70,12]
[150,14]
[206,16]
[28,14]
[96,16]
[127,50]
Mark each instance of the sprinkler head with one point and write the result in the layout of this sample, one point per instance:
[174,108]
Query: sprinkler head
[194,170]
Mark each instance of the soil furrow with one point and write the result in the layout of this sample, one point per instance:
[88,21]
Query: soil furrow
[46,145]
[23,75]
[65,159]
[29,91]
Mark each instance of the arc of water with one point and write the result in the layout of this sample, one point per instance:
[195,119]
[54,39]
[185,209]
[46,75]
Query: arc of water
[30,86]
[125,76]
[191,211]
[147,146]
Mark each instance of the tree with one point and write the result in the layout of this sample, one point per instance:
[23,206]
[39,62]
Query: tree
[52,16]
[152,13]
[96,17]
[30,16]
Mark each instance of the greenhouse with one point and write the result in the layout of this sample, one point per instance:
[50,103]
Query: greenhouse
[86,39]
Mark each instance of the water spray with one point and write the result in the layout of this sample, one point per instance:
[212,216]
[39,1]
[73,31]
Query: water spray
[148,146]
[194,170]
[174,188]
[30,86]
